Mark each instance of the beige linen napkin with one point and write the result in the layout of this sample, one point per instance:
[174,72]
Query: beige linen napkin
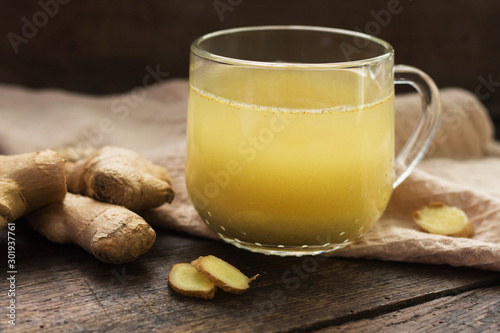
[462,167]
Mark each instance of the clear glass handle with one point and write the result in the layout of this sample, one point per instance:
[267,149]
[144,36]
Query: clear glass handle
[421,138]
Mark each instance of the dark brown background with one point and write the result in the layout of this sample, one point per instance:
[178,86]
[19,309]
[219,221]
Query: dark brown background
[103,47]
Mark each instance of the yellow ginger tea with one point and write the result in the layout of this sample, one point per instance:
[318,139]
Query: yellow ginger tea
[290,160]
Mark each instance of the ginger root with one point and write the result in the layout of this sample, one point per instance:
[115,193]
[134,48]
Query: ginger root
[118,176]
[222,274]
[437,218]
[186,280]
[28,182]
[113,234]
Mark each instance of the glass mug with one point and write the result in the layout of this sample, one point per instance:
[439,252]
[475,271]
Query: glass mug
[290,135]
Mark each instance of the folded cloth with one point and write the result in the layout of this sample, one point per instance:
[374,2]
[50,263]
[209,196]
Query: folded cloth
[462,167]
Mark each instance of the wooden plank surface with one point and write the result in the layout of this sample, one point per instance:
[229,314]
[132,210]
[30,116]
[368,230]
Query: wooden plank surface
[474,311]
[62,288]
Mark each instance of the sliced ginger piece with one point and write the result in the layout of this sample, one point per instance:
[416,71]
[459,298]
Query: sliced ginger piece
[438,218]
[186,280]
[224,275]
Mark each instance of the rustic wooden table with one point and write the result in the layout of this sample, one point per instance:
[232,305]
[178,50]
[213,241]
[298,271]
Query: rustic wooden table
[61,288]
